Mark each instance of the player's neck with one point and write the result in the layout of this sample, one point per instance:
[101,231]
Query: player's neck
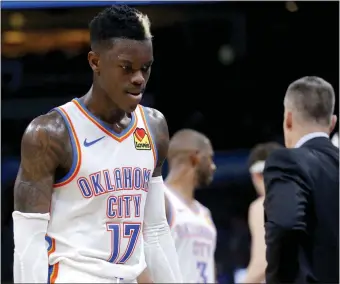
[186,195]
[98,104]
[182,184]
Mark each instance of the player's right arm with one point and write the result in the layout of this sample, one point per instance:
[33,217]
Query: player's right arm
[42,149]
[257,265]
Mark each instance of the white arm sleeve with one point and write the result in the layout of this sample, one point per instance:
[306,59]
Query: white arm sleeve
[30,251]
[160,252]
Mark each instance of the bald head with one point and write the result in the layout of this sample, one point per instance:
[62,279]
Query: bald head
[187,141]
[312,98]
[190,157]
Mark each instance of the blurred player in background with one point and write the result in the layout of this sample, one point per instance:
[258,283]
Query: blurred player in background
[191,165]
[255,272]
[90,174]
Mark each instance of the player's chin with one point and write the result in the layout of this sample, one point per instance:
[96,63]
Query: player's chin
[132,101]
[205,182]
[209,180]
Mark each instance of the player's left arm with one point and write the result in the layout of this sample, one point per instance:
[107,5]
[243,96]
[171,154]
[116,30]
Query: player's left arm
[160,252]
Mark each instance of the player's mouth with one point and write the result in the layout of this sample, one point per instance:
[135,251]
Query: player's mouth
[136,94]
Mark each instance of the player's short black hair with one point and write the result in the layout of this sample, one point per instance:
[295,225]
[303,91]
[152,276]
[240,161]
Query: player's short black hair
[261,152]
[119,21]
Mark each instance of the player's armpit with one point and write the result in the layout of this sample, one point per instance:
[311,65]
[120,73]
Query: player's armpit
[42,149]
[160,131]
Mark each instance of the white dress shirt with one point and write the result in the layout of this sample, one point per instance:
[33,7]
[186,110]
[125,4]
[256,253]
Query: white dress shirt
[310,136]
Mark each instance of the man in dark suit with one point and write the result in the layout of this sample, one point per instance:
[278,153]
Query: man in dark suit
[302,190]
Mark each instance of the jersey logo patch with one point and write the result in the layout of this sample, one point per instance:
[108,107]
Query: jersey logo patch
[141,139]
[88,144]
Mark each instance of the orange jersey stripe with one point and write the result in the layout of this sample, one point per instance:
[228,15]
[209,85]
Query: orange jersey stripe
[78,153]
[149,134]
[53,269]
[54,274]
[52,248]
[102,128]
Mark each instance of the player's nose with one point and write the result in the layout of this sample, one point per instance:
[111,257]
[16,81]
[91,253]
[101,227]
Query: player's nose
[137,78]
[213,167]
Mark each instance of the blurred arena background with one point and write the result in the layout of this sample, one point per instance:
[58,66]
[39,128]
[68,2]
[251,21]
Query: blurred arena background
[220,68]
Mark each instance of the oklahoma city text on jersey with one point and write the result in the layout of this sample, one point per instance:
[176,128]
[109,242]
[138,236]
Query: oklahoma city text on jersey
[106,182]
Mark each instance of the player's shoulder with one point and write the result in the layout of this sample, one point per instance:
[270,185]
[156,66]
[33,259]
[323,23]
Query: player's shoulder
[46,128]
[157,122]
[159,129]
[154,116]
[44,142]
[206,211]
[51,122]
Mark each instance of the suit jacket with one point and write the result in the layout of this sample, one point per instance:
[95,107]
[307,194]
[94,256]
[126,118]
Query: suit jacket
[302,213]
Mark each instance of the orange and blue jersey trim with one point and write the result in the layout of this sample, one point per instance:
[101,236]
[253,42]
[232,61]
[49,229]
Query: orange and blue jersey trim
[148,130]
[100,124]
[76,150]
[52,269]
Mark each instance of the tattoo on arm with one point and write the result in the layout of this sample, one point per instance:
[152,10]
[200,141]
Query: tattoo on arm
[41,151]
[159,128]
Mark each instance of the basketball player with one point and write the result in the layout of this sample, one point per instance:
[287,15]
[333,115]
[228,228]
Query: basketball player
[256,269]
[90,174]
[191,166]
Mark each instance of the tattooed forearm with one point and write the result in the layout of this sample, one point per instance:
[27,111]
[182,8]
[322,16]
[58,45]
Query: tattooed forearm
[42,149]
[31,197]
[159,127]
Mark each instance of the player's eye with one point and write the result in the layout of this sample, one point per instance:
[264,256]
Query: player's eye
[126,68]
[146,68]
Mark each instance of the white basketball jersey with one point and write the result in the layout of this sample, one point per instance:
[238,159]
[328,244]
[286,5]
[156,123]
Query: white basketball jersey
[97,208]
[194,234]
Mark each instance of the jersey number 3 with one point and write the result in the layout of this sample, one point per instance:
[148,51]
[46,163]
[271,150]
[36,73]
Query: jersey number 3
[128,231]
[202,266]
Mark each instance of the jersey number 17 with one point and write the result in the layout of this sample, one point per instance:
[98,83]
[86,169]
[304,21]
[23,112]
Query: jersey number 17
[123,230]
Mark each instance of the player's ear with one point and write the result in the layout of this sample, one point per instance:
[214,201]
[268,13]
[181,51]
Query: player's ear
[194,158]
[334,119]
[289,120]
[94,61]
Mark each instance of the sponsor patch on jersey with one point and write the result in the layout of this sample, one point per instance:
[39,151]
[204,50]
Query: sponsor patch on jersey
[141,139]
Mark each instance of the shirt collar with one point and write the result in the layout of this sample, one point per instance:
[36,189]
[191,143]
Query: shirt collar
[310,136]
